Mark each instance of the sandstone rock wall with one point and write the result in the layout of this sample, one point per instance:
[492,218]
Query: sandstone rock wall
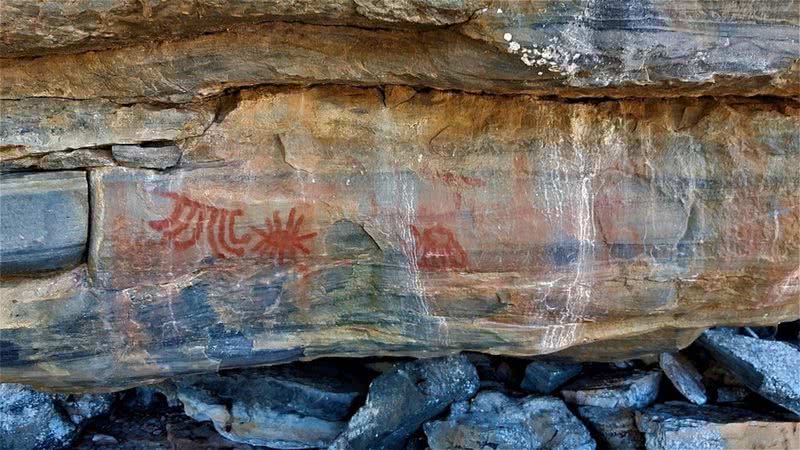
[269,181]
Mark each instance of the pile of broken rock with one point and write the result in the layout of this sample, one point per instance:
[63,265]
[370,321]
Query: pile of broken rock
[731,389]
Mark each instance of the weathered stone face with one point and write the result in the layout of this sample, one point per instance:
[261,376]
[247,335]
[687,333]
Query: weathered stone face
[44,221]
[331,221]
[248,208]
[542,47]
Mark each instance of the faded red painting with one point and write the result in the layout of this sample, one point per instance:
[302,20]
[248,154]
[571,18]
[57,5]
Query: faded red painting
[437,248]
[278,242]
[190,221]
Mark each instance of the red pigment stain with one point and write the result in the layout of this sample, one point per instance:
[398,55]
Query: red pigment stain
[280,242]
[437,248]
[455,179]
[190,220]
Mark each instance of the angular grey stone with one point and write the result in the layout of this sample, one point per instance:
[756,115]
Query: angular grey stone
[43,125]
[84,157]
[770,368]
[615,428]
[630,389]
[283,407]
[44,221]
[84,407]
[401,400]
[683,375]
[545,377]
[31,420]
[147,157]
[731,394]
[682,426]
[493,420]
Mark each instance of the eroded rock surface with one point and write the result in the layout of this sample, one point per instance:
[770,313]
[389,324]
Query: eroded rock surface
[684,376]
[286,407]
[401,400]
[542,47]
[545,377]
[44,221]
[631,390]
[37,420]
[276,180]
[493,420]
[615,428]
[368,223]
[677,425]
[769,368]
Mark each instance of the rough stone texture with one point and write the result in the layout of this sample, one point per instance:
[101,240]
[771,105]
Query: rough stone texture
[401,400]
[493,420]
[482,223]
[629,389]
[580,213]
[769,368]
[286,407]
[75,159]
[59,27]
[545,377]
[683,375]
[31,420]
[615,428]
[42,125]
[677,426]
[731,394]
[83,407]
[156,157]
[546,47]
[155,429]
[44,221]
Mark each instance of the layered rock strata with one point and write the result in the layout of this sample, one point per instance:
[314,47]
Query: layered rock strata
[236,204]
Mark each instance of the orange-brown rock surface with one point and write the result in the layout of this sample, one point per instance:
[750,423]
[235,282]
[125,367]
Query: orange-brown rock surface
[601,207]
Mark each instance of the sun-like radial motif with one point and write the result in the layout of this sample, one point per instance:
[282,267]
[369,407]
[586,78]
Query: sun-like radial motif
[281,243]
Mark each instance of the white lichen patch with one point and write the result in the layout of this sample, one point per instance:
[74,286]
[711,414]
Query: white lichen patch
[552,57]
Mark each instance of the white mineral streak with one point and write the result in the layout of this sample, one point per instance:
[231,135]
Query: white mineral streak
[579,199]
[398,193]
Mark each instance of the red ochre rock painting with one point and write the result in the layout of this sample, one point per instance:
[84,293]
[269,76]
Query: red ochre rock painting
[437,248]
[277,242]
[189,219]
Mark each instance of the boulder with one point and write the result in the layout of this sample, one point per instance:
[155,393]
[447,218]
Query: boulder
[545,377]
[45,221]
[683,375]
[615,428]
[628,389]
[769,368]
[678,425]
[401,400]
[83,407]
[32,420]
[494,420]
[287,407]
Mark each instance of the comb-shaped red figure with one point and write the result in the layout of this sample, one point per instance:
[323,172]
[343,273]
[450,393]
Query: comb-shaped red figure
[279,243]
[192,218]
[437,248]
